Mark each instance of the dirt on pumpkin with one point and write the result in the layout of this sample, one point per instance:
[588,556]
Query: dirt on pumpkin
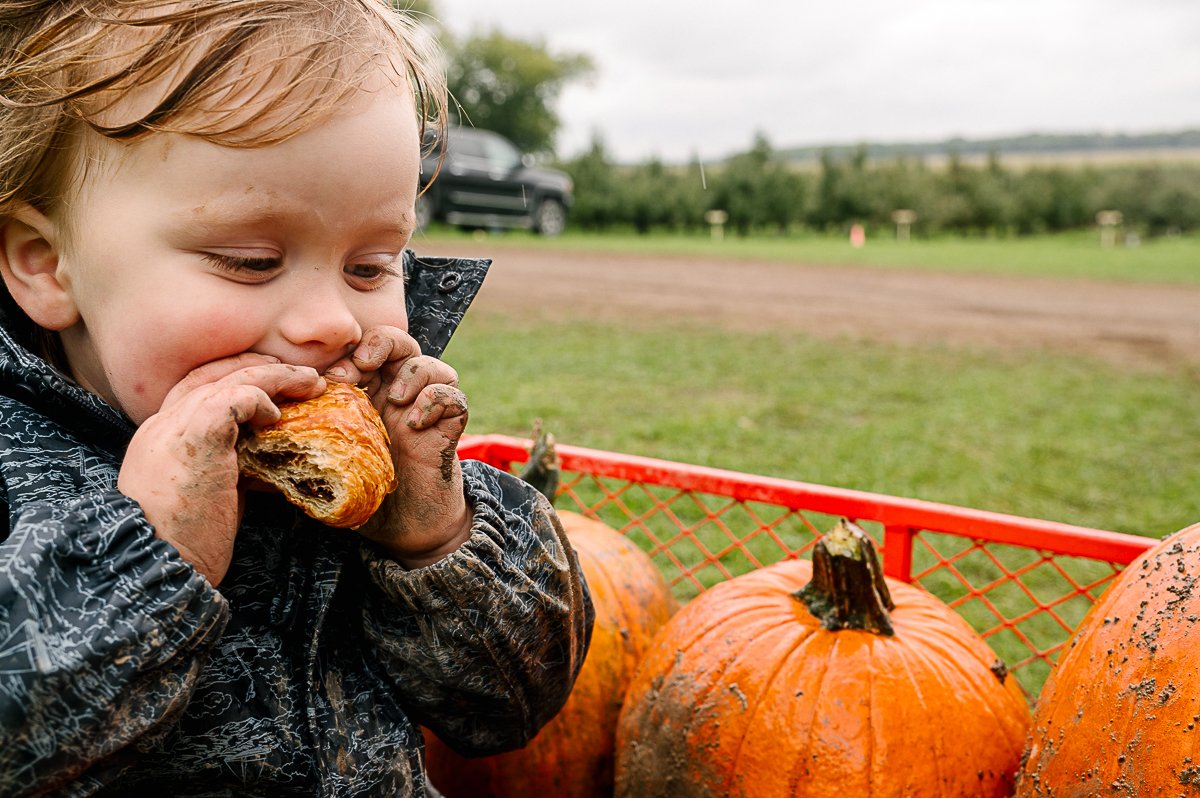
[1136,325]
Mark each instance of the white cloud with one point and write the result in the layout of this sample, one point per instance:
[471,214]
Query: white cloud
[676,79]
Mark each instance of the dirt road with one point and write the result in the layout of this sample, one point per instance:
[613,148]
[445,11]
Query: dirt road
[1151,326]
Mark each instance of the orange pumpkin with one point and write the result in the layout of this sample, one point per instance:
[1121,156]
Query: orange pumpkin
[1120,714]
[852,686]
[572,757]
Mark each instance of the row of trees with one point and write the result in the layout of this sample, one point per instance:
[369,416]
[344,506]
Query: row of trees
[762,192]
[511,85]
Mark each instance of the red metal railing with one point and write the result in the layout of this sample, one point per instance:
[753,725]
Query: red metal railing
[1023,583]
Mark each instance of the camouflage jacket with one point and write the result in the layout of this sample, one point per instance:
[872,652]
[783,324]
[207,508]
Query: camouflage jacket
[124,672]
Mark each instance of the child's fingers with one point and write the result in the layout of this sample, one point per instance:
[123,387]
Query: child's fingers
[278,381]
[345,371]
[281,381]
[416,374]
[383,344]
[246,396]
[381,350]
[223,407]
[436,403]
[216,370]
[241,394]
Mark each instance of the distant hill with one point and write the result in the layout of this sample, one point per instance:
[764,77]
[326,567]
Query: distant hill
[1037,146]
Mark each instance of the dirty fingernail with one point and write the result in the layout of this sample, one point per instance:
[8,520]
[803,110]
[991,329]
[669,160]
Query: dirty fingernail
[370,349]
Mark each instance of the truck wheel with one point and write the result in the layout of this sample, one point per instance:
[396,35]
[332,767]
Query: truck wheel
[549,218]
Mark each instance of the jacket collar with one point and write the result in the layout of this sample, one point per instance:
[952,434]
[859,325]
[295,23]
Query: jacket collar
[438,292]
[35,383]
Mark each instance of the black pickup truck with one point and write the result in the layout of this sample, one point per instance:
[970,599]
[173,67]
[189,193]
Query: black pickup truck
[484,181]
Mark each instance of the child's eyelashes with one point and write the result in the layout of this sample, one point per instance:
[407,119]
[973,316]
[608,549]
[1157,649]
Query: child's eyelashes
[371,275]
[365,275]
[246,265]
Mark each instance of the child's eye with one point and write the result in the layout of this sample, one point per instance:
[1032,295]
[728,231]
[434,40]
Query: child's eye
[242,265]
[371,275]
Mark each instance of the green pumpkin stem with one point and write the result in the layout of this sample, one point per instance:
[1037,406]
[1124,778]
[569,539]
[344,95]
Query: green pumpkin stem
[848,590]
[543,467]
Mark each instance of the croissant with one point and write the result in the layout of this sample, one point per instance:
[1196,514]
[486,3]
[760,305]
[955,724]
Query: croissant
[329,456]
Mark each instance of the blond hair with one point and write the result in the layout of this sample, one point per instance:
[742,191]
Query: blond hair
[240,73]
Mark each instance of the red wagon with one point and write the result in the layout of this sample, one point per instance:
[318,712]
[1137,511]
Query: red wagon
[1023,583]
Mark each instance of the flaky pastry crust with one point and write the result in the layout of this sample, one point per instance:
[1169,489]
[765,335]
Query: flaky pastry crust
[329,455]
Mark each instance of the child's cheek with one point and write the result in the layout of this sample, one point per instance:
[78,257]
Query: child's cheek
[178,344]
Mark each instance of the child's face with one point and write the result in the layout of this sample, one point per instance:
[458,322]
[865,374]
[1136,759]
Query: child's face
[184,252]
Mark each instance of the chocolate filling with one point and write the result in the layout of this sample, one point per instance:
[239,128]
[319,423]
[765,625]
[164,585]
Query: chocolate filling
[314,488]
[277,459]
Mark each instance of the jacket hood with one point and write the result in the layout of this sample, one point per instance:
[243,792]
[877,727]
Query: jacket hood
[438,291]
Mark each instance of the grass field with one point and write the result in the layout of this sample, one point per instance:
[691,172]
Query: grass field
[1038,435]
[1169,260]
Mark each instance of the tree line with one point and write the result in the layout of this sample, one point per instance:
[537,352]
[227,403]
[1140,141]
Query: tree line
[511,85]
[759,191]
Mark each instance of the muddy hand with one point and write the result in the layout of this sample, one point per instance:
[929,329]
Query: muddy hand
[425,413]
[181,465]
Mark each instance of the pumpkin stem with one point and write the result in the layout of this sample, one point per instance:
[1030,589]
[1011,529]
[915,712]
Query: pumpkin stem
[848,590]
[542,469]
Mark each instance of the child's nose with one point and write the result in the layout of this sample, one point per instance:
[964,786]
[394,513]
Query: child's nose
[320,317]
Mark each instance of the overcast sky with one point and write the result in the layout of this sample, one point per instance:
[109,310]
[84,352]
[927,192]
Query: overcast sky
[677,78]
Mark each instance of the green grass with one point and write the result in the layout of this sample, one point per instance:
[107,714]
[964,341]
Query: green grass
[1169,260]
[1035,434]
[1038,435]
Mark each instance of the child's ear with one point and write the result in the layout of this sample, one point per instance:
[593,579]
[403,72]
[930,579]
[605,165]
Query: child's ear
[30,247]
